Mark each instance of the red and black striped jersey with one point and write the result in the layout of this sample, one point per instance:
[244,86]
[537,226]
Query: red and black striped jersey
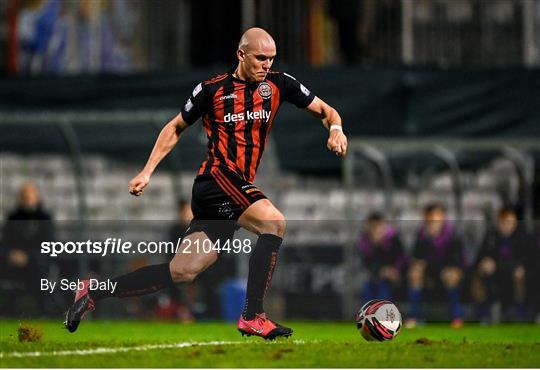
[237,117]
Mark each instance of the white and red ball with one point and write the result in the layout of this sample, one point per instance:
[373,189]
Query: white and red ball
[378,320]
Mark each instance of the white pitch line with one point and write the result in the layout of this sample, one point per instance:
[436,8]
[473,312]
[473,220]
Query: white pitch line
[105,350]
[147,347]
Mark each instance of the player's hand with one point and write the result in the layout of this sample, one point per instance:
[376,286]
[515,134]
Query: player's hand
[337,143]
[138,183]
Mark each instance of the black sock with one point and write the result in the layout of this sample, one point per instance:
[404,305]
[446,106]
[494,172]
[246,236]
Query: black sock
[146,280]
[261,267]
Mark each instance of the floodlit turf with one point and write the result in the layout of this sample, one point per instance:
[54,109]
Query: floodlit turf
[314,344]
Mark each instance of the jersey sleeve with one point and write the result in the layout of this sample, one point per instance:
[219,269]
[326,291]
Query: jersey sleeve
[295,92]
[195,106]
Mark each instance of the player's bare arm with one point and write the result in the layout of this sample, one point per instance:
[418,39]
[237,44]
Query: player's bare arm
[167,139]
[337,141]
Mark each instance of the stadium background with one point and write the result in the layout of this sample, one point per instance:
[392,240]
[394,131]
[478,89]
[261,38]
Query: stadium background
[440,100]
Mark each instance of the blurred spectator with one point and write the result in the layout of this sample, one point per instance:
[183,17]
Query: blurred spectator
[501,267]
[24,230]
[383,257]
[35,24]
[54,36]
[99,39]
[437,265]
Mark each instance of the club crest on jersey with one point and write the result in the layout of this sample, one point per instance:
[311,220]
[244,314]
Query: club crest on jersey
[265,90]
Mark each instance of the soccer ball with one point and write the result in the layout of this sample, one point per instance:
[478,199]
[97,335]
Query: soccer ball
[378,320]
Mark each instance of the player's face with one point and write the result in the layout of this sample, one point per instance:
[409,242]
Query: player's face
[257,61]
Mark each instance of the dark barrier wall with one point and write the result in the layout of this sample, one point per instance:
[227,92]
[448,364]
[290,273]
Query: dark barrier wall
[386,102]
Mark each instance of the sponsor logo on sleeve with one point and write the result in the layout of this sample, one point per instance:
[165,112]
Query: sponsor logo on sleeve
[197,90]
[188,105]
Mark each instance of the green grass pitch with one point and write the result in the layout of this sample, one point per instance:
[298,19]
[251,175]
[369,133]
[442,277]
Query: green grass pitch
[314,344]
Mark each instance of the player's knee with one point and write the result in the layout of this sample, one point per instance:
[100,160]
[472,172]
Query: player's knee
[280,226]
[183,274]
[275,224]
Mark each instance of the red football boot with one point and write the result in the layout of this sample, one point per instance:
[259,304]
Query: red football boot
[262,327]
[82,304]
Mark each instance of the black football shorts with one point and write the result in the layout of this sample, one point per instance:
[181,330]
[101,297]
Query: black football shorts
[218,200]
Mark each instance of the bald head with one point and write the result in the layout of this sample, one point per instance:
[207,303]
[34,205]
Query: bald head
[256,53]
[254,39]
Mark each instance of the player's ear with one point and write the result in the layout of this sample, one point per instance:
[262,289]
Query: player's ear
[240,54]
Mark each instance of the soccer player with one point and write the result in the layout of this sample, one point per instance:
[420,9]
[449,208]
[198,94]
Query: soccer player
[383,257]
[437,265]
[237,110]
